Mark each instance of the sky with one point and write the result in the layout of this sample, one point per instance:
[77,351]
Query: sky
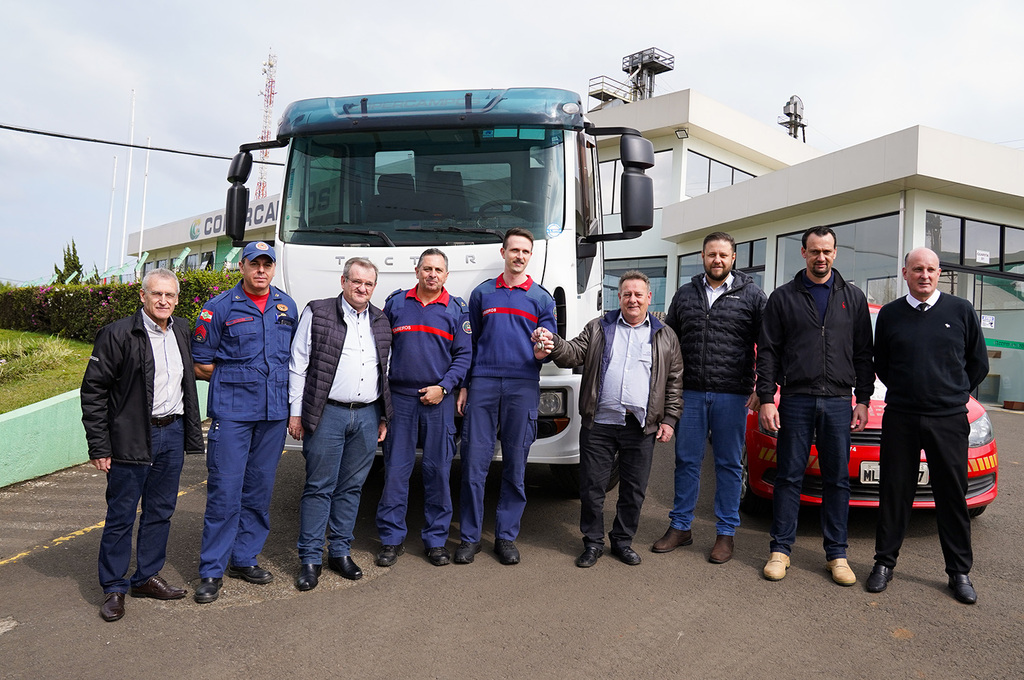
[863,69]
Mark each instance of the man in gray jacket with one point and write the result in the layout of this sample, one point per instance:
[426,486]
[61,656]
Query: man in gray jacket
[630,395]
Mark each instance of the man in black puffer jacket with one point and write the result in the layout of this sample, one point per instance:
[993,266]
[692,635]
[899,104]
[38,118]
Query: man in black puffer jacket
[717,317]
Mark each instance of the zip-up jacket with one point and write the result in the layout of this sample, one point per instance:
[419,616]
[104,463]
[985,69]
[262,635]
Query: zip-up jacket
[117,392]
[718,341]
[593,348]
[802,355]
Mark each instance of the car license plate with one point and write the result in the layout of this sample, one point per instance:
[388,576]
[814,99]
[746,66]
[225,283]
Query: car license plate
[869,473]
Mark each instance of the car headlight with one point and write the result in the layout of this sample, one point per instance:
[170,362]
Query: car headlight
[981,432]
[552,404]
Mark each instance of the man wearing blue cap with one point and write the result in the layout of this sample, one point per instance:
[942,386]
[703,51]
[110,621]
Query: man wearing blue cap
[241,345]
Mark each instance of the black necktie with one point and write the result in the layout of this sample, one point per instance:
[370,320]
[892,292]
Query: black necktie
[922,307]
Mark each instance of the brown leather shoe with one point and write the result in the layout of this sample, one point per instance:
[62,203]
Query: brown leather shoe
[158,589]
[672,539]
[722,551]
[113,607]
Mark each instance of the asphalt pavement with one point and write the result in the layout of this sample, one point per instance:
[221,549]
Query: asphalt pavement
[675,615]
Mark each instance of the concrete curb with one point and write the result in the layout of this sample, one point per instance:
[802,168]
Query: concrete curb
[48,436]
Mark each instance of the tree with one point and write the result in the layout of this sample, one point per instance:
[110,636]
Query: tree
[71,263]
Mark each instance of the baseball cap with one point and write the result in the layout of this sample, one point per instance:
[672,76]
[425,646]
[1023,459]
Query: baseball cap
[257,248]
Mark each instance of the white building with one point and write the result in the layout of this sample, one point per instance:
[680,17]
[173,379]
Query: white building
[718,170]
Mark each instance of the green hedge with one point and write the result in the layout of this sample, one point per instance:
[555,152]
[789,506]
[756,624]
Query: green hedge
[78,311]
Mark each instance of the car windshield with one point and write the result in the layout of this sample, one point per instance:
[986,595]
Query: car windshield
[420,187]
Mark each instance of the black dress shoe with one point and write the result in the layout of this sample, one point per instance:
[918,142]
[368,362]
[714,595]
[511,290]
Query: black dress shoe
[466,551]
[158,589]
[254,574]
[506,551]
[346,567]
[309,576]
[963,589]
[388,554]
[627,555]
[589,556]
[879,578]
[113,607]
[439,556]
[208,590]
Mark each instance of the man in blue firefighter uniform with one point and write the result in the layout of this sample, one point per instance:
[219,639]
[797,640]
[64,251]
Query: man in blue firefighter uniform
[431,347]
[241,345]
[503,392]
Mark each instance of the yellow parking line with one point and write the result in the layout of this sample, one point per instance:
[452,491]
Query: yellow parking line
[77,533]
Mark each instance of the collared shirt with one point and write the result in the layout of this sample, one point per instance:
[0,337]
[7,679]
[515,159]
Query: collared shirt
[627,376]
[441,299]
[168,398]
[932,300]
[715,293]
[355,381]
[820,293]
[500,282]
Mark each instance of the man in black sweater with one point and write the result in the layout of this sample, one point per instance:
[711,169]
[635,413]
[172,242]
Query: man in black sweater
[930,353]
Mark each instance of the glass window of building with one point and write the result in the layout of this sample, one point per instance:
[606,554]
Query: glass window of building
[942,234]
[206,260]
[1013,250]
[661,174]
[698,173]
[981,244]
[866,256]
[654,267]
[192,261]
[705,174]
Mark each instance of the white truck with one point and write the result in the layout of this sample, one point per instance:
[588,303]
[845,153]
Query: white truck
[387,176]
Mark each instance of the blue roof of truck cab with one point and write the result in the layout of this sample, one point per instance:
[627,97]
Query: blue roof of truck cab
[541,107]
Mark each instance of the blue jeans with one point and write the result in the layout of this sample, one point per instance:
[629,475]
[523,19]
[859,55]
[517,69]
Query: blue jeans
[156,486]
[241,462]
[825,422]
[725,417]
[435,427]
[338,458]
[513,403]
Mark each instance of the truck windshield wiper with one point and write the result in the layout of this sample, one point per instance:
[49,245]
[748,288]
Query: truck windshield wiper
[458,230]
[348,232]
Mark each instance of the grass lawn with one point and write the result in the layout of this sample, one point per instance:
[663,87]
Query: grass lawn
[48,383]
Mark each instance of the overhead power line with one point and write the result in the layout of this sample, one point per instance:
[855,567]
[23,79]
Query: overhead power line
[92,140]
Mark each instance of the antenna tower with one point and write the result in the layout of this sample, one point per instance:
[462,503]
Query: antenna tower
[270,71]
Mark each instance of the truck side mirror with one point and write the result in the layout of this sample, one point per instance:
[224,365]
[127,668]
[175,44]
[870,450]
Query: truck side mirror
[636,155]
[238,196]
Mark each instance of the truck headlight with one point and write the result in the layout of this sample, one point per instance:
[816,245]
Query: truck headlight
[981,432]
[552,404]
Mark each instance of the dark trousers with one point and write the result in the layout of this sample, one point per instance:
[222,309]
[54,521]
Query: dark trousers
[598,446]
[824,422]
[156,486]
[944,442]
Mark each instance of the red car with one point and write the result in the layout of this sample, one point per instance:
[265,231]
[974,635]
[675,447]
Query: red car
[759,462]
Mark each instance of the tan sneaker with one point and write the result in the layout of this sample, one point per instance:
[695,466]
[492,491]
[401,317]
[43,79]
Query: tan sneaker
[841,572]
[777,565]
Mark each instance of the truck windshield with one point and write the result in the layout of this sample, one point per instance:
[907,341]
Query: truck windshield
[423,187]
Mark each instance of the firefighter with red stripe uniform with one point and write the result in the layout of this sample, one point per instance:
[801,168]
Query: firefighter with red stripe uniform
[503,389]
[431,350]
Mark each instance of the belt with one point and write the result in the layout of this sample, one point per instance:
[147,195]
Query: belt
[164,421]
[349,405]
